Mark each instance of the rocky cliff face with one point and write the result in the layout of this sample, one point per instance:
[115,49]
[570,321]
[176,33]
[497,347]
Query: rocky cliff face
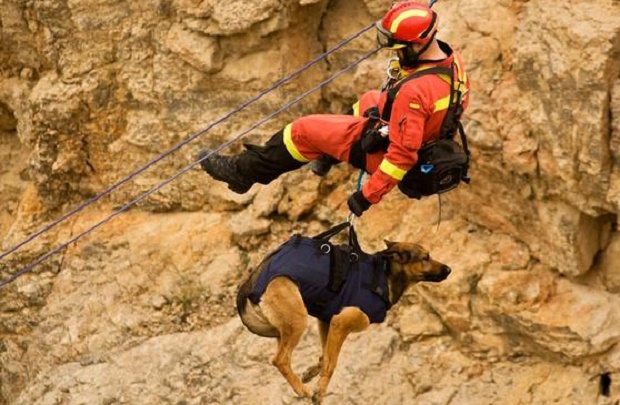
[141,310]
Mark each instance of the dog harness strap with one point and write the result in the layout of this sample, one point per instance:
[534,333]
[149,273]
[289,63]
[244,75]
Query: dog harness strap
[381,268]
[328,234]
[376,268]
[379,271]
[339,266]
[353,241]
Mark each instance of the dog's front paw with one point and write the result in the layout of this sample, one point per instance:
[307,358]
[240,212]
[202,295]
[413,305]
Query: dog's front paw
[317,398]
[305,392]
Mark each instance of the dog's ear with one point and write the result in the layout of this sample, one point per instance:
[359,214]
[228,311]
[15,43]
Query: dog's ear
[397,256]
[402,256]
[389,244]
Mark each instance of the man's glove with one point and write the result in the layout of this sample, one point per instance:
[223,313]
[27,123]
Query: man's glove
[358,203]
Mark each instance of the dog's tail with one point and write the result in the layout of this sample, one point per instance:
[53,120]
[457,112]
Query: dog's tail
[250,313]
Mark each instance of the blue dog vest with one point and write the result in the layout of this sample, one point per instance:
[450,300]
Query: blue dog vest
[316,267]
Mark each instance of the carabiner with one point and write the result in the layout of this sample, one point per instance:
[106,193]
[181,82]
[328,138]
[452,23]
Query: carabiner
[350,218]
[393,70]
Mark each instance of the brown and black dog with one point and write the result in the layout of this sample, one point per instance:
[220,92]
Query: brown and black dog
[281,312]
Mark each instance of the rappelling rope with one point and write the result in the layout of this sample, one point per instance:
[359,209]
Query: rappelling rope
[180,173]
[360,179]
[185,142]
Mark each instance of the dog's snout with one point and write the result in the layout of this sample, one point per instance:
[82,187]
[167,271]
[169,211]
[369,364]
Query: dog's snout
[439,273]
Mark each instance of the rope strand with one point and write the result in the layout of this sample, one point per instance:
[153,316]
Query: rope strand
[180,173]
[183,143]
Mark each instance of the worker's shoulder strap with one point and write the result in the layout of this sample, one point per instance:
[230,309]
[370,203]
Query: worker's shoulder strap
[391,94]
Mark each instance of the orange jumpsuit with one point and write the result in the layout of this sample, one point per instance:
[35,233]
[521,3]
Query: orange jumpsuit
[417,114]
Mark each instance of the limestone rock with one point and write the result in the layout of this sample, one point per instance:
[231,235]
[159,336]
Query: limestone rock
[141,310]
[200,51]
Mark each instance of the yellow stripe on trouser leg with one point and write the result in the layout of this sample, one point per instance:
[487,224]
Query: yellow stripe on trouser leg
[290,146]
[392,170]
[356,109]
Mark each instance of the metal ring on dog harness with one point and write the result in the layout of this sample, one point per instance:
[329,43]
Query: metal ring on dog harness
[325,248]
[353,257]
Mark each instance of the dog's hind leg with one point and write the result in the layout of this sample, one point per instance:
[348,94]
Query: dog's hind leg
[349,320]
[284,308]
[323,332]
[313,371]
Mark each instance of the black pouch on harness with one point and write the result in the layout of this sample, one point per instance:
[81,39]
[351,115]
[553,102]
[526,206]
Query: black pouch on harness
[441,166]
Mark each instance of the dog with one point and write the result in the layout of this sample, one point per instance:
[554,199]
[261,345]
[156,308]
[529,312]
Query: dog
[282,313]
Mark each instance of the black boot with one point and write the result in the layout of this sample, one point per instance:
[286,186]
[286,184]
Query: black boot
[225,168]
[322,165]
[263,164]
[257,164]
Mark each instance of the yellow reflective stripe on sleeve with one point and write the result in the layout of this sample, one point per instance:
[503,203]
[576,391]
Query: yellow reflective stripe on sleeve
[414,106]
[290,146]
[405,15]
[392,170]
[356,109]
[442,104]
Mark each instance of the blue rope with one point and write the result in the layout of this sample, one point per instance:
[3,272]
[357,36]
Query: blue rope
[183,143]
[432,3]
[359,180]
[179,174]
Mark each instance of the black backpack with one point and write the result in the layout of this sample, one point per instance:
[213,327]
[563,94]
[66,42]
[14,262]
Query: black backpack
[442,164]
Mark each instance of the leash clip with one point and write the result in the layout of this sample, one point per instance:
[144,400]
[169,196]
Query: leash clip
[350,218]
[393,70]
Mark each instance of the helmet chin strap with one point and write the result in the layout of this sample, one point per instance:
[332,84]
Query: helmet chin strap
[409,58]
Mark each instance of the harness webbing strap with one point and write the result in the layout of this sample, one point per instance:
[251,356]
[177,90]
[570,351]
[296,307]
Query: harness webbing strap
[341,262]
[451,123]
[339,266]
[380,266]
[391,95]
[461,131]
[328,234]
[353,242]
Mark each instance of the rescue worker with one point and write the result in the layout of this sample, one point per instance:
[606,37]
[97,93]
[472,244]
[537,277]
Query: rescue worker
[409,28]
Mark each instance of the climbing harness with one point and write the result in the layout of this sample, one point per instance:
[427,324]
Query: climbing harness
[443,164]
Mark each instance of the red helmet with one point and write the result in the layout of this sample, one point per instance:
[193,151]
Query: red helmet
[407,22]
